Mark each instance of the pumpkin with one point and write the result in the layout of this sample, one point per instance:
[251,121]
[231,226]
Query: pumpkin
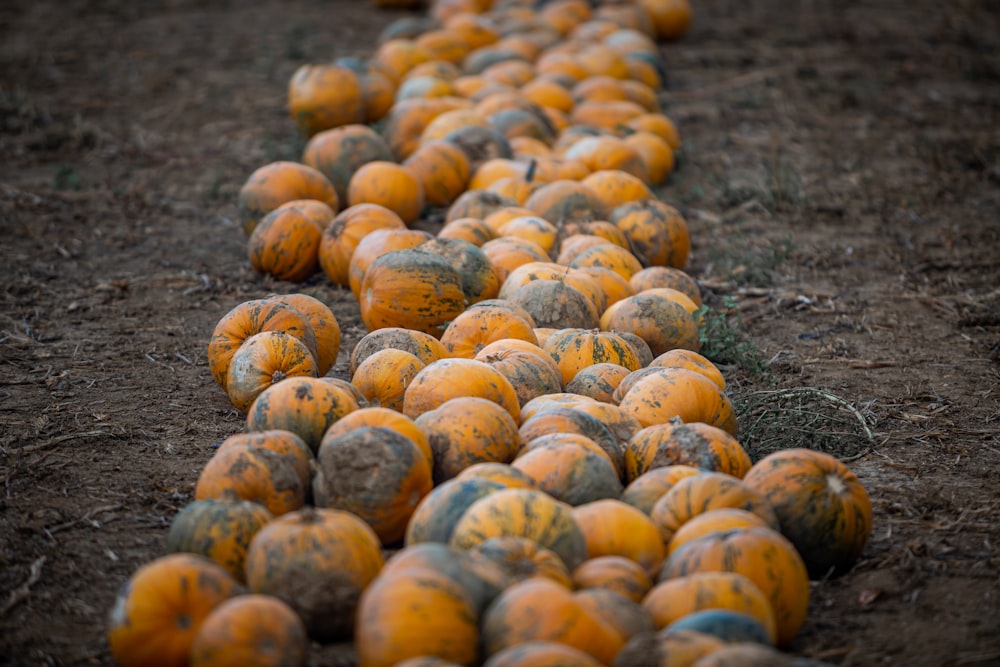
[467,430]
[677,392]
[277,183]
[622,426]
[723,518]
[478,204]
[522,513]
[608,256]
[663,323]
[613,285]
[729,626]
[618,612]
[249,318]
[657,232]
[413,613]
[541,654]
[338,153]
[342,237]
[638,345]
[492,171]
[423,346]
[254,474]
[413,288]
[480,144]
[322,96]
[656,154]
[312,209]
[437,513]
[219,529]
[318,561]
[658,124]
[671,18]
[554,303]
[566,419]
[575,350]
[699,494]
[406,121]
[508,345]
[378,93]
[532,228]
[253,630]
[286,445]
[614,573]
[521,558]
[443,170]
[508,253]
[385,418]
[578,280]
[383,377]
[696,444]
[377,243]
[263,360]
[570,473]
[479,279]
[441,44]
[498,472]
[375,473]
[574,245]
[597,381]
[390,185]
[683,648]
[539,609]
[613,528]
[473,230]
[423,86]
[616,187]
[443,380]
[530,373]
[673,599]
[160,609]
[602,152]
[692,361]
[285,245]
[396,57]
[564,200]
[303,405]
[763,556]
[822,507]
[444,124]
[643,491]
[324,325]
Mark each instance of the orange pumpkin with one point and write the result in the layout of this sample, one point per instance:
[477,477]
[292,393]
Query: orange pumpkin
[663,323]
[574,245]
[323,96]
[567,419]
[443,170]
[616,187]
[263,360]
[521,558]
[255,474]
[376,474]
[657,232]
[219,529]
[613,285]
[656,154]
[542,610]
[822,507]
[377,243]
[285,245]
[473,230]
[565,200]
[609,256]
[415,612]
[671,18]
[618,612]
[719,519]
[541,654]
[681,648]
[390,185]
[405,123]
[612,528]
[437,513]
[324,325]
[597,381]
[691,361]
[696,444]
[763,556]
[396,57]
[574,278]
[467,430]
[385,418]
[413,288]
[530,373]
[423,346]
[479,279]
[643,491]
[318,561]
[477,204]
[160,609]
[287,445]
[677,392]
[278,183]
[614,573]
[342,237]
[383,377]
[443,380]
[532,228]
[251,630]
[658,124]
[570,473]
[338,153]
[699,494]
[575,350]
[500,347]
[498,472]
[304,406]
[603,152]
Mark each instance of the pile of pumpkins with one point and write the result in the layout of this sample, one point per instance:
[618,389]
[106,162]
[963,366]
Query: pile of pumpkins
[531,463]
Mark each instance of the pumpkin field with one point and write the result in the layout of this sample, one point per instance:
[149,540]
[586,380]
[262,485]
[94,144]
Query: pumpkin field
[500,332]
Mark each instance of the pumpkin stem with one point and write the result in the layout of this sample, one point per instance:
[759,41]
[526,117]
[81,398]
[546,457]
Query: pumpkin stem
[529,175]
[278,376]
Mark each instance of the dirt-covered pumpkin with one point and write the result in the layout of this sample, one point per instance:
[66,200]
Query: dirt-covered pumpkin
[161,607]
[522,558]
[479,279]
[696,444]
[303,405]
[530,372]
[385,418]
[570,473]
[423,346]
[251,630]
[657,232]
[437,513]
[574,350]
[285,245]
[541,654]
[253,473]
[663,323]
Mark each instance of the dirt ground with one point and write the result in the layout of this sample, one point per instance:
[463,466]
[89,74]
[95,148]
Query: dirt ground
[840,172]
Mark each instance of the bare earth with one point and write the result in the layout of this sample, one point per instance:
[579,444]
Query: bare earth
[841,175]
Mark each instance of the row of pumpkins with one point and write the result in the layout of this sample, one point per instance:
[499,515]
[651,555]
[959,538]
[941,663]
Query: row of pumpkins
[531,463]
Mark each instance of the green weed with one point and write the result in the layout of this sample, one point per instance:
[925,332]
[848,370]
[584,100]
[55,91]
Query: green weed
[724,340]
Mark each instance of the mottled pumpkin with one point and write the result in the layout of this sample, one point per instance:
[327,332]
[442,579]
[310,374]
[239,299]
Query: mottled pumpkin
[396,57]
[692,361]
[253,630]
[303,405]
[249,318]
[324,325]
[413,288]
[287,445]
[613,528]
[573,245]
[390,185]
[505,345]
[318,561]
[570,473]
[607,115]
[508,253]
[696,444]
[554,303]
[479,279]
[345,233]
[375,473]
[498,472]
[324,96]
[664,323]
[262,361]
[718,519]
[162,606]
[666,276]
[377,243]
[446,379]
[473,230]
[254,474]
[277,183]
[443,170]
[285,245]
[618,612]
[566,419]
[643,491]
[699,494]
[822,507]
[614,573]
[616,187]
[437,513]
[467,430]
[412,613]
[681,648]
[531,374]
[656,154]
[603,152]
[481,144]
[523,275]
[677,392]
[219,529]
[385,418]
[597,381]
[423,346]
[521,558]
[575,350]
[658,233]
[382,378]
[564,200]
[613,284]
[763,556]
[338,153]
[532,228]
[406,121]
